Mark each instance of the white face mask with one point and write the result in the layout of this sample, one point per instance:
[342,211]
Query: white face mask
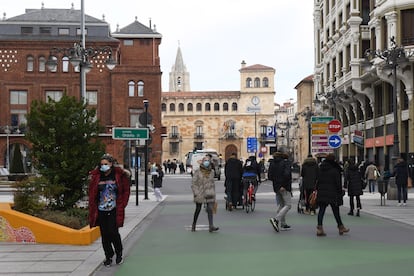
[206,163]
[105,168]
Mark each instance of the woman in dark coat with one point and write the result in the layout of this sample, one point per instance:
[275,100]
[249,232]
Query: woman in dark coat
[330,192]
[233,170]
[401,180]
[309,174]
[353,182]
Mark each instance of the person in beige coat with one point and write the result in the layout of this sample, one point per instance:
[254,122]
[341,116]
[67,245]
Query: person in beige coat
[204,191]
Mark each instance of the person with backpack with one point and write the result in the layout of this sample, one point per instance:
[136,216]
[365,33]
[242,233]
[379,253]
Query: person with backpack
[251,172]
[280,173]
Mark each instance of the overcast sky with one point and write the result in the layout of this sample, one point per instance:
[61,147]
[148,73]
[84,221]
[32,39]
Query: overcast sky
[215,36]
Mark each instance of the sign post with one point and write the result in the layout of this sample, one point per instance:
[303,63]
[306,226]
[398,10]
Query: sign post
[130,133]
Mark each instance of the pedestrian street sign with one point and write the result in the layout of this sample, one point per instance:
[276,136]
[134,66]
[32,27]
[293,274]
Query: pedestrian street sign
[334,141]
[251,144]
[129,133]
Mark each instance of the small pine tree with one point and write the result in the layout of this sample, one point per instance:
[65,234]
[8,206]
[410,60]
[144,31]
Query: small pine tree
[65,146]
[16,165]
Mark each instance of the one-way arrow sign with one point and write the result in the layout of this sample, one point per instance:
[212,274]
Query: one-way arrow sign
[334,141]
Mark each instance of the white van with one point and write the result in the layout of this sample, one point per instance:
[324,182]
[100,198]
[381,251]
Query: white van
[199,154]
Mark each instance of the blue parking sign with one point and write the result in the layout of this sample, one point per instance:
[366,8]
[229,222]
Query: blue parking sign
[271,132]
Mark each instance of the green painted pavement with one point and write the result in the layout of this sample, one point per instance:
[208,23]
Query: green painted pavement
[248,245]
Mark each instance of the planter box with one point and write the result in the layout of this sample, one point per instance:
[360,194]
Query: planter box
[21,227]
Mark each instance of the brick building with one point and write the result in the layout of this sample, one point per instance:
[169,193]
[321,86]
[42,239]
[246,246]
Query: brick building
[27,42]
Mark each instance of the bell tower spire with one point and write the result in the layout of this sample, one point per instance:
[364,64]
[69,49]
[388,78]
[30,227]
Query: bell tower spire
[179,77]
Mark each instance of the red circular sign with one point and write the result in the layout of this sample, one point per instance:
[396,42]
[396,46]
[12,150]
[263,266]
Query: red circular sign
[334,126]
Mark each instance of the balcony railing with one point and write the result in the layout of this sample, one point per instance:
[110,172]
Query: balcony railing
[174,135]
[198,135]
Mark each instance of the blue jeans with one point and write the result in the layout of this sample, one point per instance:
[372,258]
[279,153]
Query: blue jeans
[371,185]
[402,193]
[284,201]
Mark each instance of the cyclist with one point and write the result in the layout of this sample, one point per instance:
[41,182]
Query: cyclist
[251,173]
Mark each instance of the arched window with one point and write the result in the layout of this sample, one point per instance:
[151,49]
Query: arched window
[181,107]
[190,107]
[198,107]
[163,107]
[207,107]
[248,82]
[234,107]
[131,89]
[140,89]
[42,64]
[256,82]
[265,82]
[225,107]
[65,64]
[172,107]
[30,64]
[53,69]
[216,107]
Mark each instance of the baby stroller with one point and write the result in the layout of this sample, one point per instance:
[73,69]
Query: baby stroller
[302,200]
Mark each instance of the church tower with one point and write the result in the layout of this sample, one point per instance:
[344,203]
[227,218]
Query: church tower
[179,77]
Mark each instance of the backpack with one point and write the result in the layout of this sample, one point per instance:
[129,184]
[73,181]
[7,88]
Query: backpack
[249,164]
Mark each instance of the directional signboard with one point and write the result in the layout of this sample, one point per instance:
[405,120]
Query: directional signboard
[335,141]
[320,134]
[129,133]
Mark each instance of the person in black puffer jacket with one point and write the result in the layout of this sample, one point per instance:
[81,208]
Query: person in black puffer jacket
[401,180]
[233,170]
[353,182]
[330,192]
[309,175]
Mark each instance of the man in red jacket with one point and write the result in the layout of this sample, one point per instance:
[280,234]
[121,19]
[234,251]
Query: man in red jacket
[108,196]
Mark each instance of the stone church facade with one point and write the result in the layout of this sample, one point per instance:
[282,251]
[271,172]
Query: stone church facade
[220,120]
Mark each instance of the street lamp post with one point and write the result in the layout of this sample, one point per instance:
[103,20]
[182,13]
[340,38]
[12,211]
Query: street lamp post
[7,131]
[80,56]
[392,57]
[308,113]
[146,105]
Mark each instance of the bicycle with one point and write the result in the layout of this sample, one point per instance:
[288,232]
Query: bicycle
[250,202]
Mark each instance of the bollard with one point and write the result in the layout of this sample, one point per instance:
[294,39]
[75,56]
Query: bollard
[382,189]
[392,189]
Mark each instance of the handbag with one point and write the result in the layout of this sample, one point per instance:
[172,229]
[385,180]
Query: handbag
[215,207]
[313,199]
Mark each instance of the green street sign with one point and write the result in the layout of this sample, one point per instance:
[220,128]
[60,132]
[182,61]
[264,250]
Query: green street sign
[129,133]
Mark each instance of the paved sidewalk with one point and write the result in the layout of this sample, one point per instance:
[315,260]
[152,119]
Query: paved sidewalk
[41,259]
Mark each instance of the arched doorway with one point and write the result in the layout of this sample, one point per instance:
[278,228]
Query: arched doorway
[229,150]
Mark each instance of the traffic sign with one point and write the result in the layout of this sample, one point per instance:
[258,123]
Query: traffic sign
[251,144]
[334,126]
[334,141]
[270,132]
[129,133]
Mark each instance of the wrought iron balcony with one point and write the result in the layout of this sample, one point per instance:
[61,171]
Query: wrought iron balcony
[198,135]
